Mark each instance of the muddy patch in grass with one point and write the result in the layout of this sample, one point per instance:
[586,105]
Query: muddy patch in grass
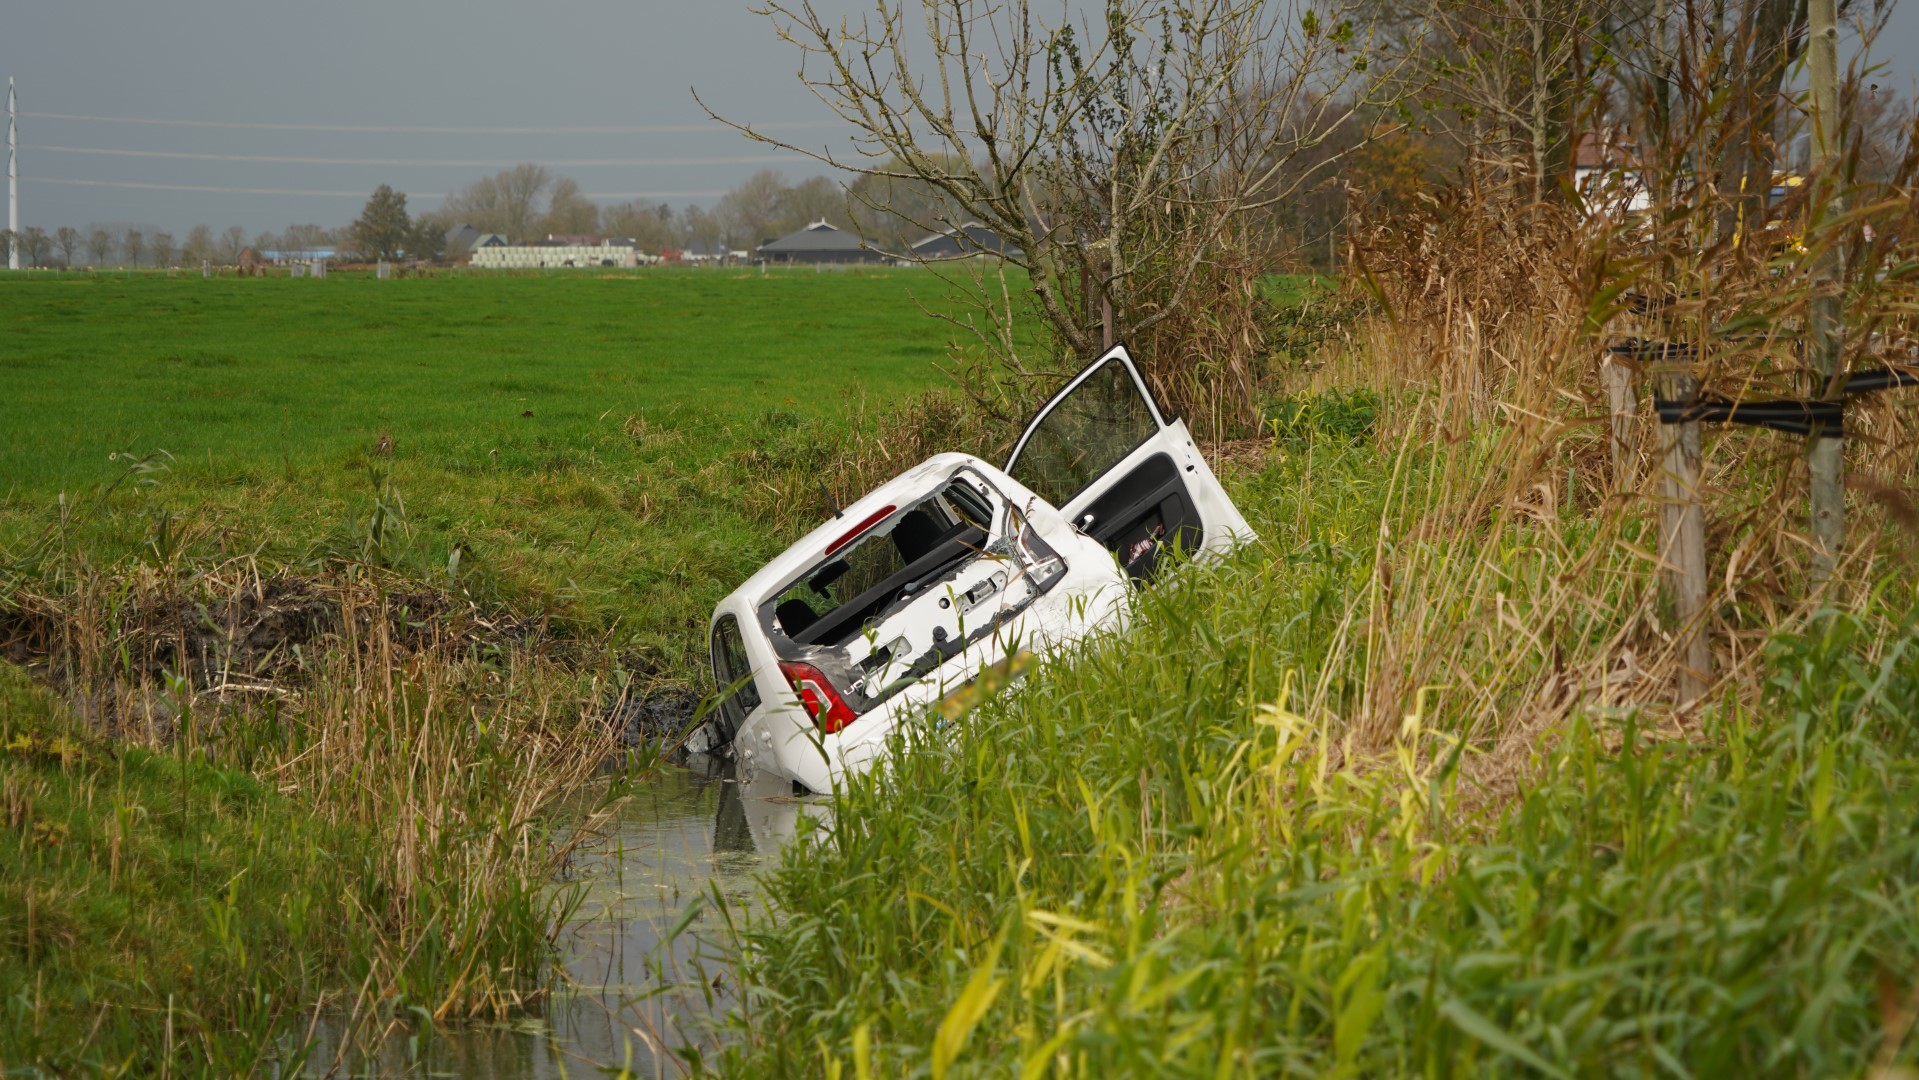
[239,633]
[664,715]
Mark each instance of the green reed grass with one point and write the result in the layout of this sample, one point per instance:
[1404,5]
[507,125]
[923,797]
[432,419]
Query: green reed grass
[1177,853]
[380,843]
[156,909]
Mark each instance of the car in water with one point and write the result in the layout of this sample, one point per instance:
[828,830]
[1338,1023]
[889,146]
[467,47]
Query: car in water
[955,570]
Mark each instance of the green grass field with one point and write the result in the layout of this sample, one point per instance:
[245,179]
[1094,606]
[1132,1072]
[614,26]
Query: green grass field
[614,450]
[245,376]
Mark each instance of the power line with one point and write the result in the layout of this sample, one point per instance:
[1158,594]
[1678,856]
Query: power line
[342,194]
[735,159]
[378,129]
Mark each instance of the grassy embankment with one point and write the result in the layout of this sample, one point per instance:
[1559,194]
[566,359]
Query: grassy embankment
[1403,788]
[321,702]
[1196,851]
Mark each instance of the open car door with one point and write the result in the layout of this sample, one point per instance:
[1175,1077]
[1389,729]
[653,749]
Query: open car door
[1102,452]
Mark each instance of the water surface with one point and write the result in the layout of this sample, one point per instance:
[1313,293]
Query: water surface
[631,989]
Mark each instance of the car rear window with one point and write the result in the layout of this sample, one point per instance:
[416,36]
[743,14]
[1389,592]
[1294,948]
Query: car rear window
[879,557]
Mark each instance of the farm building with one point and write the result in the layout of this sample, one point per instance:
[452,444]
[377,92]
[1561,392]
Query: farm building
[820,243]
[551,253]
[969,239]
[460,238]
[1606,174]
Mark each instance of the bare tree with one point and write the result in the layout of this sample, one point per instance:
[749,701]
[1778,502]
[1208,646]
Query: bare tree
[817,198]
[1118,164]
[100,246]
[1884,125]
[506,202]
[1507,78]
[570,213]
[896,213]
[163,249]
[67,238]
[750,213]
[35,245]
[1706,88]
[648,225]
[134,243]
[233,243]
[703,230]
[304,238]
[198,246]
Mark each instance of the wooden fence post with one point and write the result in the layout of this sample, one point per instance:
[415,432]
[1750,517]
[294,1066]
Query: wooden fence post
[1624,425]
[1682,548]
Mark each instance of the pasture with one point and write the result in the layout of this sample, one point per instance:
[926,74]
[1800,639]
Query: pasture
[240,376]
[587,446]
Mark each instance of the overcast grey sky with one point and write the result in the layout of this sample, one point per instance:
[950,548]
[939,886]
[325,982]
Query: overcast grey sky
[382,63]
[410,63]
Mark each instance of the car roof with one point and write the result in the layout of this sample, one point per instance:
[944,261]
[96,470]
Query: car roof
[908,487]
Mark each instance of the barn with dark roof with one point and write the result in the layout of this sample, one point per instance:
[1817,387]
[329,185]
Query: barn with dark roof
[969,239]
[820,243]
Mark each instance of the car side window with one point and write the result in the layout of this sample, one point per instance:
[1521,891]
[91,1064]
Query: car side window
[1087,432]
[730,666]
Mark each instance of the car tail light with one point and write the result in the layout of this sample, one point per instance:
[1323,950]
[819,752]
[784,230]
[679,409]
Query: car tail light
[823,703]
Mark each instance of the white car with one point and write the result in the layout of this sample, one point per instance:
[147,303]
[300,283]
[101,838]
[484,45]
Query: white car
[908,595]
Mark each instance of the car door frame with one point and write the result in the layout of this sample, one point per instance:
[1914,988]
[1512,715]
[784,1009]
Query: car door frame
[1220,524]
[739,684]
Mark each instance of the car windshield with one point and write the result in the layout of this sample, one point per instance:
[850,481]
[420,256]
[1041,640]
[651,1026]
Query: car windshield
[830,603]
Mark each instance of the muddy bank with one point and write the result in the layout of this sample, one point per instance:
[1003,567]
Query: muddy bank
[122,647]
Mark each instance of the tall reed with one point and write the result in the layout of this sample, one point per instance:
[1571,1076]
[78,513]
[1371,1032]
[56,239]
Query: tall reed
[426,763]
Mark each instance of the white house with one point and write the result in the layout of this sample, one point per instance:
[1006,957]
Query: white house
[1606,174]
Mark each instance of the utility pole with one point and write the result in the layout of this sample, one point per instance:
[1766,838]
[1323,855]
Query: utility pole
[13,183]
[1826,450]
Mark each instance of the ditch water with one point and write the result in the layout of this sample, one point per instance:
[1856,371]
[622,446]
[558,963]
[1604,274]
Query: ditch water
[636,984]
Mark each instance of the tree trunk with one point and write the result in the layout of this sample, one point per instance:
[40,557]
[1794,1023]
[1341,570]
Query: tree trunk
[1541,94]
[1825,453]
[1750,153]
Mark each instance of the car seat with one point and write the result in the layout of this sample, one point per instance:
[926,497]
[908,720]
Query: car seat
[916,535]
[795,616]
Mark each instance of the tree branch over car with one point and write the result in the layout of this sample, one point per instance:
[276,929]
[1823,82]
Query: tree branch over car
[1115,162]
